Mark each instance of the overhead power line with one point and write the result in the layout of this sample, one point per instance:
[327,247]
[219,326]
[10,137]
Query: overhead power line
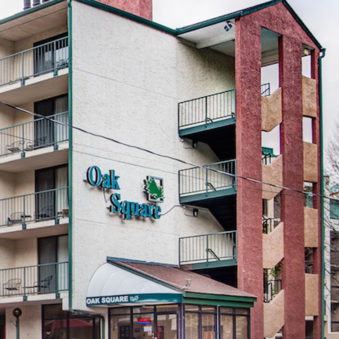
[159,154]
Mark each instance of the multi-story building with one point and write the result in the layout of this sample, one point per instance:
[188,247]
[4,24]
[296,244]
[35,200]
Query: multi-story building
[131,160]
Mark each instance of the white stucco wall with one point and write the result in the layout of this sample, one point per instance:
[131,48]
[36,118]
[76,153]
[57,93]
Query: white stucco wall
[127,81]
[6,184]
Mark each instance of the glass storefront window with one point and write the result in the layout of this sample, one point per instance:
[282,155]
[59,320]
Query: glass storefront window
[241,326]
[120,326]
[143,326]
[163,322]
[191,325]
[144,322]
[166,326]
[208,326]
[226,326]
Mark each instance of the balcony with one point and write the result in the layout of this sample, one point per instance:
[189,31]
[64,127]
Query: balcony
[33,208]
[210,119]
[205,113]
[208,250]
[33,280]
[34,134]
[211,186]
[45,58]
[207,182]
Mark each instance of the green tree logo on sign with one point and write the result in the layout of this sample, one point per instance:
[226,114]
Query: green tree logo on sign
[154,189]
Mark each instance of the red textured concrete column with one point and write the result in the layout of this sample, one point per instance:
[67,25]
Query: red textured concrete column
[248,153]
[141,8]
[317,257]
[292,203]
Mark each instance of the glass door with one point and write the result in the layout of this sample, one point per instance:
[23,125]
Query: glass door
[47,248]
[62,258]
[45,196]
[43,129]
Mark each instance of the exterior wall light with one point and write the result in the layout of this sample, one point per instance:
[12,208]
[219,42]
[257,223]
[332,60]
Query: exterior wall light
[195,212]
[228,26]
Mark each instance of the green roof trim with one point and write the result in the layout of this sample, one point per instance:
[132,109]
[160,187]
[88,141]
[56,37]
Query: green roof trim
[30,10]
[193,295]
[128,15]
[246,11]
[217,303]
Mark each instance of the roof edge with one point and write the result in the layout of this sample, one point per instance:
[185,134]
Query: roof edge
[229,16]
[30,10]
[128,15]
[109,259]
[247,11]
[143,274]
[301,23]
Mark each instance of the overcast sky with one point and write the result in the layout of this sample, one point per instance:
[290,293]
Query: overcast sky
[321,17]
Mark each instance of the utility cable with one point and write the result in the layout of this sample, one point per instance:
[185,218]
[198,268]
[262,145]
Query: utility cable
[162,155]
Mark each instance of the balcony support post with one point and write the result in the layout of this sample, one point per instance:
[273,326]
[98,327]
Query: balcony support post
[23,141]
[206,118]
[22,68]
[54,59]
[207,248]
[23,219]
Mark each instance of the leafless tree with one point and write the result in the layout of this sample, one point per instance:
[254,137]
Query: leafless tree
[332,156]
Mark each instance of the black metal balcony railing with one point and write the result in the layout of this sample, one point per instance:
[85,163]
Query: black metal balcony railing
[36,279]
[206,109]
[271,288]
[266,89]
[269,224]
[33,207]
[207,178]
[208,247]
[34,134]
[48,57]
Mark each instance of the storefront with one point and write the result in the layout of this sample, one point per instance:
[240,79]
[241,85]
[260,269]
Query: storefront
[165,302]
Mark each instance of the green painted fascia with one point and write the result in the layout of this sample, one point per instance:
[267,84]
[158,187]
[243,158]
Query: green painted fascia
[190,131]
[192,295]
[70,155]
[322,192]
[215,264]
[217,303]
[30,10]
[128,15]
[208,195]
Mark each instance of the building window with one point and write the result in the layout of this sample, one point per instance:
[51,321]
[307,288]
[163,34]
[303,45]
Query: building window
[307,129]
[308,194]
[59,324]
